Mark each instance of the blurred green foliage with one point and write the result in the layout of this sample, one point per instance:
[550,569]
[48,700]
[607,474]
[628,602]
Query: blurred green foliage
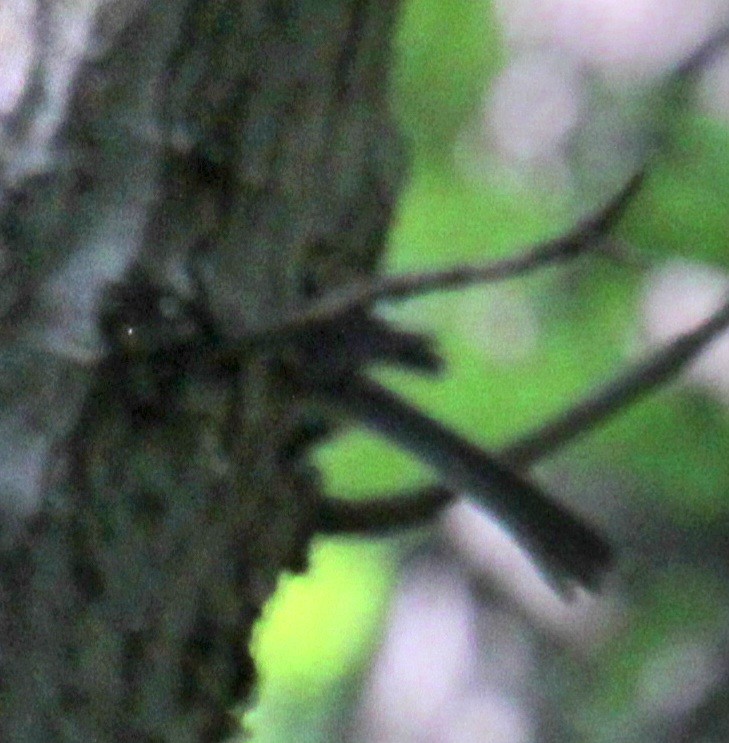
[322,627]
[683,208]
[445,52]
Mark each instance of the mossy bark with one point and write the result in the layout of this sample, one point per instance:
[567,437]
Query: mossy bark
[246,142]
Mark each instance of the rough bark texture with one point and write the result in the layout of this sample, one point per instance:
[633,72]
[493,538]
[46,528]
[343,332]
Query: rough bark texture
[242,142]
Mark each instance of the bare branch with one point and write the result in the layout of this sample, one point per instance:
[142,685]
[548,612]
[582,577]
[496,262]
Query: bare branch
[614,397]
[588,234]
[381,515]
[704,55]
[412,510]
[566,548]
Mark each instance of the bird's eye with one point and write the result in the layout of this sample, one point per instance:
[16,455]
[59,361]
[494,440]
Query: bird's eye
[126,338]
[130,338]
[140,319]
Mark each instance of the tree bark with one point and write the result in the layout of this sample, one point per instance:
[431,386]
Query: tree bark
[236,153]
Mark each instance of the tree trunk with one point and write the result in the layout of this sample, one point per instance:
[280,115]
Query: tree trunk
[237,154]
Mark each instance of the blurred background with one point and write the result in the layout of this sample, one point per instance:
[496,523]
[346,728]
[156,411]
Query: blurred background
[521,117]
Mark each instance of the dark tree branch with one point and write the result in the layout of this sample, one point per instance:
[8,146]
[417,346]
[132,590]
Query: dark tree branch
[602,404]
[586,237]
[381,515]
[483,477]
[567,549]
[704,55]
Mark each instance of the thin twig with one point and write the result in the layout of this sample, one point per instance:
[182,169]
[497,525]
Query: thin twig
[565,247]
[603,404]
[705,54]
[586,234]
